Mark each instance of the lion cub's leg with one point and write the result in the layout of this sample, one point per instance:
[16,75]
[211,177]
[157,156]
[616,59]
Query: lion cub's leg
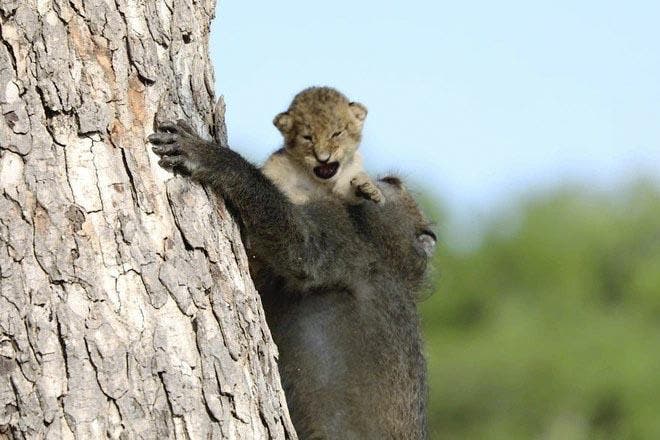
[364,187]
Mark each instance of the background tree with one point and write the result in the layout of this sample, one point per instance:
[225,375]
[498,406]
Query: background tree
[126,306]
[548,327]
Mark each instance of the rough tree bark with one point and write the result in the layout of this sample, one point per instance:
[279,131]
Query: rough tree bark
[126,306]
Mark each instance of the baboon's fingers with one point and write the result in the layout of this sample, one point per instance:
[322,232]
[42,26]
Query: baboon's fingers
[167,149]
[162,138]
[185,127]
[169,126]
[169,162]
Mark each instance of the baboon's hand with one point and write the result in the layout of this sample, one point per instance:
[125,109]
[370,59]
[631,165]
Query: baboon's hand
[366,188]
[180,149]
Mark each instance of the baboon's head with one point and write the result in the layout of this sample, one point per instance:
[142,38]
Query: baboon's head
[417,225]
[322,130]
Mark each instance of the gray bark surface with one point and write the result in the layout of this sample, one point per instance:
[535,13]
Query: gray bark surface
[126,306]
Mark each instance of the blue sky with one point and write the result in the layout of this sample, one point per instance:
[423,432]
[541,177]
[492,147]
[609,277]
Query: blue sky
[479,100]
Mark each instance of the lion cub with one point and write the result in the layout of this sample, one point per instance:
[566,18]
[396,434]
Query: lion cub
[322,130]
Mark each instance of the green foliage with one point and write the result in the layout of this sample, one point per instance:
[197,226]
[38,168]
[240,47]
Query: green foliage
[550,327]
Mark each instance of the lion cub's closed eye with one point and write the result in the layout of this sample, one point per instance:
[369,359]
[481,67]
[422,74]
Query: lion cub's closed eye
[322,130]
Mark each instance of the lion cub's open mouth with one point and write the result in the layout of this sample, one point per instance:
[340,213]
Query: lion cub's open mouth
[326,171]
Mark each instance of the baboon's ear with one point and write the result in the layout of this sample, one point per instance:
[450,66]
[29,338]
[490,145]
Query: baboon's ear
[358,110]
[426,242]
[283,122]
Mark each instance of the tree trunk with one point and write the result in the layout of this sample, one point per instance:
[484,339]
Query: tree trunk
[126,306]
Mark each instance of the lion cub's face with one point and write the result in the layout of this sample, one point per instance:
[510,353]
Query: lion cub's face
[322,130]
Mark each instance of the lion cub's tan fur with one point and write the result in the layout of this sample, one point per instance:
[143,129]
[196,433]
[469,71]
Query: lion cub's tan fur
[321,127]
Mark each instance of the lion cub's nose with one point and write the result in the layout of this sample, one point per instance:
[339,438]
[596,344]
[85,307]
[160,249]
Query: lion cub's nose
[322,157]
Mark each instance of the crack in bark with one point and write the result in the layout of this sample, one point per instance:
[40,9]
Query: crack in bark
[161,376]
[66,169]
[10,49]
[134,192]
[62,342]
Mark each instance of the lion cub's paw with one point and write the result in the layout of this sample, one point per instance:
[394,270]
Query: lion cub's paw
[366,188]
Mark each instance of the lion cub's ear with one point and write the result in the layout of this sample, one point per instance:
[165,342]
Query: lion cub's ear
[283,122]
[359,111]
